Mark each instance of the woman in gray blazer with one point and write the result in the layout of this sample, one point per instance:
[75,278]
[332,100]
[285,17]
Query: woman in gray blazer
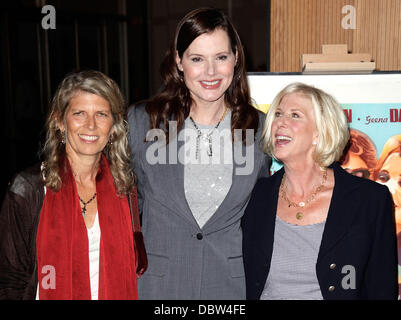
[197,155]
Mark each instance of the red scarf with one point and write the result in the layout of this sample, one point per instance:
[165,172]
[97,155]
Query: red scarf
[62,242]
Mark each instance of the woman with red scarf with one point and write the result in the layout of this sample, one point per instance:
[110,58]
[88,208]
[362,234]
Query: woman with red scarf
[65,225]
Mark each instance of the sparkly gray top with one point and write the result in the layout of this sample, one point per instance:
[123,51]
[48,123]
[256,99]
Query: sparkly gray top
[208,179]
[292,274]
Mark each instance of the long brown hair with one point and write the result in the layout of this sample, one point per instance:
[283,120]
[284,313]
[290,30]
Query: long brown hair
[174,101]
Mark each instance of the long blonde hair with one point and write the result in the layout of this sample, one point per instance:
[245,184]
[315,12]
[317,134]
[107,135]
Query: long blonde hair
[117,152]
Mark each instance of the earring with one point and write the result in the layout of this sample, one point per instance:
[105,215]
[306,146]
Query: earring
[179,66]
[62,137]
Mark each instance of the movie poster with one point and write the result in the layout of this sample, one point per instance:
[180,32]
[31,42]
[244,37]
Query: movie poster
[372,105]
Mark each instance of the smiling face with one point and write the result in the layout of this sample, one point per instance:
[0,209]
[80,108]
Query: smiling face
[293,129]
[208,66]
[87,124]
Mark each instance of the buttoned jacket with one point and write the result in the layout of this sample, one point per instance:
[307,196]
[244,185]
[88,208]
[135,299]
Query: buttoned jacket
[357,258]
[186,261]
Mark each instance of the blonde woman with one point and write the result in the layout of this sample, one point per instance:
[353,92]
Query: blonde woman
[312,230]
[65,225]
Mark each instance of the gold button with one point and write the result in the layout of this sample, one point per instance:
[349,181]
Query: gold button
[332,266]
[331,288]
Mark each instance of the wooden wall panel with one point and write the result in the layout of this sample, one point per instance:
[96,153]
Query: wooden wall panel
[302,26]
[379,33]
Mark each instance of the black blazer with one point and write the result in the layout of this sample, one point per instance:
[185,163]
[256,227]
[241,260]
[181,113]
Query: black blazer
[359,231]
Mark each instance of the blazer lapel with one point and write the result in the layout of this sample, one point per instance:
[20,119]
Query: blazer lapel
[178,195]
[340,214]
[270,212]
[171,195]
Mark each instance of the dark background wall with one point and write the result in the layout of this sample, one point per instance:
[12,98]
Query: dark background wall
[126,39]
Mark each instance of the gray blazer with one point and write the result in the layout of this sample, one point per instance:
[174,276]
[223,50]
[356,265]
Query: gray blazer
[185,261]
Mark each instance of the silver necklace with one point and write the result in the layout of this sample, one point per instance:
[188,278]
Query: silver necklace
[207,138]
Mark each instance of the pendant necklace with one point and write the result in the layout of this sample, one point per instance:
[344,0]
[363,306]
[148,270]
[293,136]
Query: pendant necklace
[85,203]
[283,191]
[207,138]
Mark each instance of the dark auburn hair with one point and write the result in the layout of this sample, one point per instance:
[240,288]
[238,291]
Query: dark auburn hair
[174,101]
[361,145]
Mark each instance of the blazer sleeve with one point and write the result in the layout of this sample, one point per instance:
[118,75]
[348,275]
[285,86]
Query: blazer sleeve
[137,124]
[381,273]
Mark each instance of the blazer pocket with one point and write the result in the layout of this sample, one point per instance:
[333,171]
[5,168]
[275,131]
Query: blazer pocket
[236,266]
[157,265]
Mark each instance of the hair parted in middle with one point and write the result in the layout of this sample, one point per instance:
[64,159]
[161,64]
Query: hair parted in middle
[174,101]
[116,152]
[330,120]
